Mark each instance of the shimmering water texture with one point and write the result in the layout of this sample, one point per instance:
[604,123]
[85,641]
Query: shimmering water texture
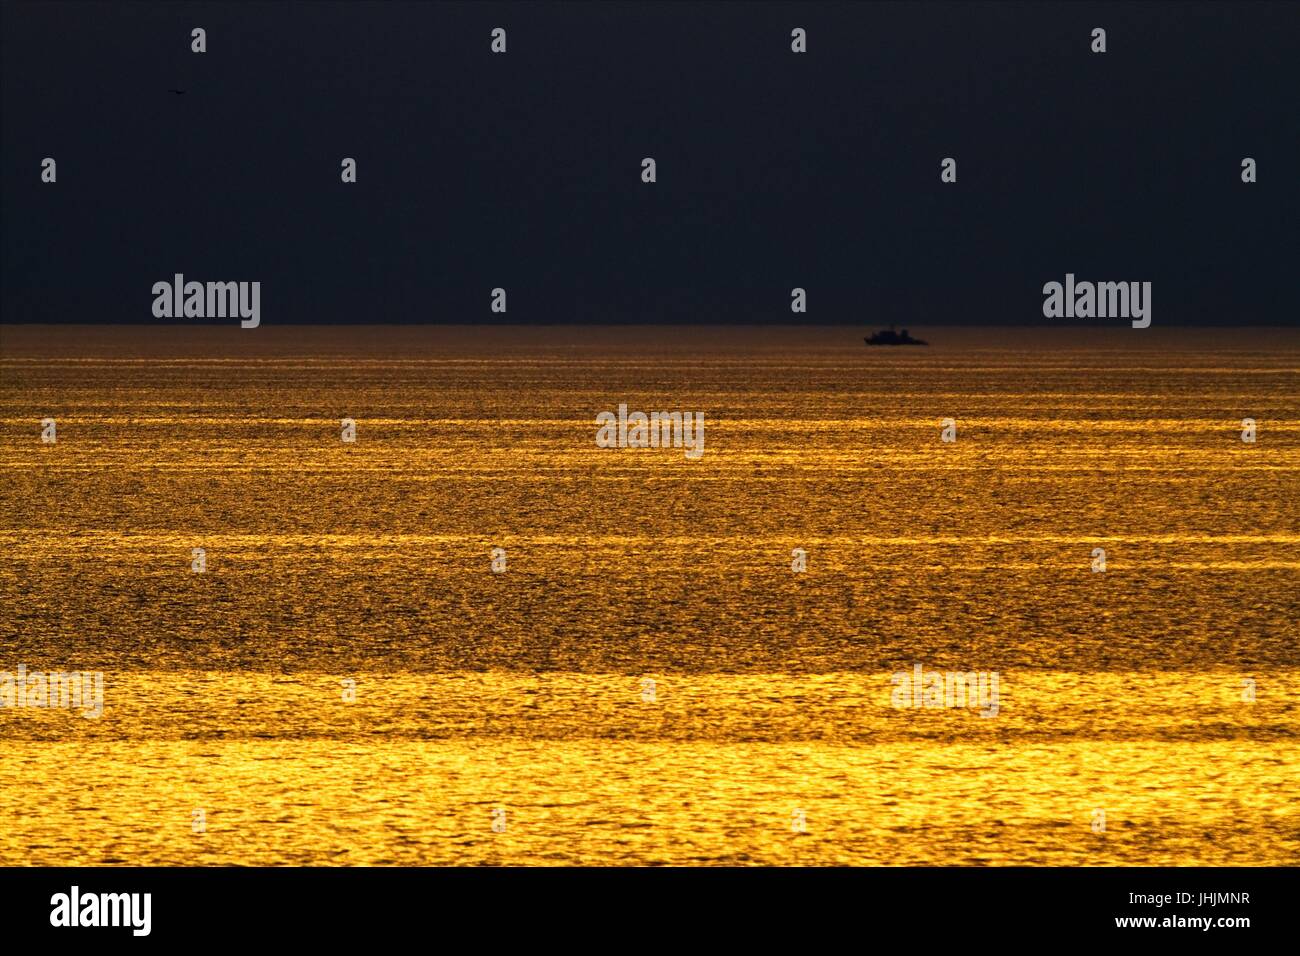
[648,681]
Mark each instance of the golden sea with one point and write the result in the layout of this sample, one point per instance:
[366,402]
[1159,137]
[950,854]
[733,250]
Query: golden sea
[648,681]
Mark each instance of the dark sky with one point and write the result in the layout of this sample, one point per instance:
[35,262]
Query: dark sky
[775,170]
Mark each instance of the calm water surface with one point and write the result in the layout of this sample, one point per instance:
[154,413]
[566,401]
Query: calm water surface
[1124,691]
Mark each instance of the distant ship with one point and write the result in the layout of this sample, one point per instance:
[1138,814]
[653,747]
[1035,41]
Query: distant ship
[890,337]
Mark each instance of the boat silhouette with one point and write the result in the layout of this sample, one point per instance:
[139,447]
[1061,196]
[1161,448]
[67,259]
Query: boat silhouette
[890,337]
